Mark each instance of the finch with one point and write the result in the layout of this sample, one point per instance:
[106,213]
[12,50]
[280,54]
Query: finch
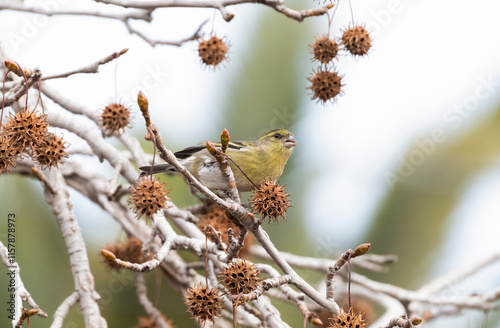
[261,159]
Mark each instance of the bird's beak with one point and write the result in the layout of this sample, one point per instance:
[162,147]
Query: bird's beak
[289,142]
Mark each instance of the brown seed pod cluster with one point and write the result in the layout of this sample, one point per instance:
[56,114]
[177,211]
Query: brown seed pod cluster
[348,319]
[131,251]
[270,200]
[8,154]
[324,49]
[213,51]
[326,83]
[50,151]
[358,306]
[115,117]
[356,40]
[27,132]
[26,128]
[217,218]
[204,303]
[241,277]
[148,196]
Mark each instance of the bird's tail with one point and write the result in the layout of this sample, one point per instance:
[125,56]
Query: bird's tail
[158,168]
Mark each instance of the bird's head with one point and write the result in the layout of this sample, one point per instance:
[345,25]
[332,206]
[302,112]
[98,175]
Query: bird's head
[279,139]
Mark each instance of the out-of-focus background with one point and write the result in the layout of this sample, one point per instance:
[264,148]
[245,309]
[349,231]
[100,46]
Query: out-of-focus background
[407,159]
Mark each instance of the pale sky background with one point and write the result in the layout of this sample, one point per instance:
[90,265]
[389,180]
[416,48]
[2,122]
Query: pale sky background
[427,57]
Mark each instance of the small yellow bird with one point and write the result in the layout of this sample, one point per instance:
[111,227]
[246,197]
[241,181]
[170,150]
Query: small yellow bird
[261,159]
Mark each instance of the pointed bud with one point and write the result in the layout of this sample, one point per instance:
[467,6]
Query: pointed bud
[124,51]
[14,67]
[142,101]
[329,6]
[32,312]
[109,256]
[362,249]
[211,147]
[416,321]
[224,139]
[316,321]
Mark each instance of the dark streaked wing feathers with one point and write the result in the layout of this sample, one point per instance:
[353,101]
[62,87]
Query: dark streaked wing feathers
[185,153]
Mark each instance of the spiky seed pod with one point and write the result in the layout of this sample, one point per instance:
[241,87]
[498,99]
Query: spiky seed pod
[270,200]
[324,49]
[241,277]
[8,153]
[203,303]
[212,51]
[131,251]
[217,218]
[348,319]
[358,306]
[50,151]
[114,118]
[151,323]
[356,40]
[326,85]
[26,128]
[362,306]
[148,196]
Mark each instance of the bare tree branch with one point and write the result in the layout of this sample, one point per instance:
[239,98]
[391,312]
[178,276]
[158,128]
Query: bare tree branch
[92,68]
[63,309]
[58,197]
[21,293]
[195,36]
[19,89]
[142,295]
[128,14]
[221,6]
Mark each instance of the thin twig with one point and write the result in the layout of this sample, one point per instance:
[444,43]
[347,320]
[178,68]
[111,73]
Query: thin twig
[195,36]
[142,295]
[140,14]
[89,69]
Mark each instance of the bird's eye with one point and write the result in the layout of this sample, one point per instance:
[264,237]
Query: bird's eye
[277,135]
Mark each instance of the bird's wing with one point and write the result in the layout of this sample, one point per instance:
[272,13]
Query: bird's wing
[185,153]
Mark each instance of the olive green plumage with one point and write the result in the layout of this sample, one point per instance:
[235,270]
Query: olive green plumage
[264,158]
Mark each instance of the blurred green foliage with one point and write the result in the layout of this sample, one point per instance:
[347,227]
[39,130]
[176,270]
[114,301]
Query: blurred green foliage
[414,217]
